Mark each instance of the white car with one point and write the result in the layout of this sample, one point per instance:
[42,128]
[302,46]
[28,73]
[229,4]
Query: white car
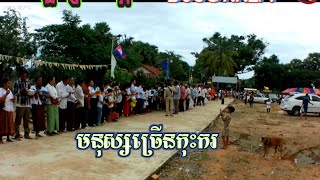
[292,104]
[259,98]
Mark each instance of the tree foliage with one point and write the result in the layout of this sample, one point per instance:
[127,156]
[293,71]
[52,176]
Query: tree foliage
[228,55]
[75,43]
[269,72]
[15,40]
[72,43]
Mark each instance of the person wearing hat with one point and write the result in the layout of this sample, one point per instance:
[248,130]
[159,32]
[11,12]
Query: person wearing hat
[226,118]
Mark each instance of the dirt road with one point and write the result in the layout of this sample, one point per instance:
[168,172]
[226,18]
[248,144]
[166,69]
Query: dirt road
[243,158]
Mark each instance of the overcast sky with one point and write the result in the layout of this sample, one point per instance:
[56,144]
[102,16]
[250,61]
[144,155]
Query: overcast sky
[289,28]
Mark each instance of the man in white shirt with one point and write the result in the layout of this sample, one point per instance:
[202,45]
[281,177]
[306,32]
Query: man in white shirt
[151,99]
[71,106]
[202,95]
[199,100]
[140,99]
[63,95]
[176,97]
[109,86]
[195,95]
[80,111]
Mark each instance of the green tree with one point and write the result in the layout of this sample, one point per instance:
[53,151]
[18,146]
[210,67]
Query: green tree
[121,75]
[296,63]
[249,50]
[312,62]
[15,41]
[74,44]
[268,72]
[229,54]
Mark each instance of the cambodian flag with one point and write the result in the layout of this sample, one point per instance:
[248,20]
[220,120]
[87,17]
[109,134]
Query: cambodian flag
[120,52]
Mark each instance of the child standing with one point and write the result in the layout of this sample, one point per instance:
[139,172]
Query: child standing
[226,118]
[268,105]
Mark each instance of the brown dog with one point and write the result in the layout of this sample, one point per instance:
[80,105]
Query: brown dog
[268,142]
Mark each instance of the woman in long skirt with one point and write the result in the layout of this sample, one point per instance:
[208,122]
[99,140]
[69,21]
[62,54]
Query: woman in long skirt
[6,111]
[52,108]
[126,101]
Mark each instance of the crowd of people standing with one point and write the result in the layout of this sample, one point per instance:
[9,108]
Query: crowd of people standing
[72,104]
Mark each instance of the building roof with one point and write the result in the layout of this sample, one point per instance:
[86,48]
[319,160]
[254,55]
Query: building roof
[152,69]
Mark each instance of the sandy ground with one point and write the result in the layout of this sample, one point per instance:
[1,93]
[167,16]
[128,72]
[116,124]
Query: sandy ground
[243,157]
[56,157]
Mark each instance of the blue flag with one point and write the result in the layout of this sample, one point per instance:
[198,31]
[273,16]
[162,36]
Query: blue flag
[164,64]
[120,52]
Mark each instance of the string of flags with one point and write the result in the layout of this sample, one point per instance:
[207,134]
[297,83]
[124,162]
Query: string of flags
[38,63]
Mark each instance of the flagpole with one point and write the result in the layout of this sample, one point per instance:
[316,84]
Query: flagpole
[112,46]
[112,40]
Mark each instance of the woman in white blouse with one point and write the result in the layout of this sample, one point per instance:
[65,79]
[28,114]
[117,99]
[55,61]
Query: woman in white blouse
[6,111]
[119,97]
[38,102]
[52,108]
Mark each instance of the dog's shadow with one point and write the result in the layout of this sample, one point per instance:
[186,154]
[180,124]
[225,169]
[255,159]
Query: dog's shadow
[246,142]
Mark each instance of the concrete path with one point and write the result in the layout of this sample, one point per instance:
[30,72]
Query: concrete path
[56,157]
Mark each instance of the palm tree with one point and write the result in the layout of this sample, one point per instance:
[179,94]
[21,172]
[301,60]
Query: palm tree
[218,57]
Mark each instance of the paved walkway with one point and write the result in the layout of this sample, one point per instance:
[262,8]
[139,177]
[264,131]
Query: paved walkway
[56,157]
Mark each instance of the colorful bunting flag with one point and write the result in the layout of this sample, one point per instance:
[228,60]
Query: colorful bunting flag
[38,63]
